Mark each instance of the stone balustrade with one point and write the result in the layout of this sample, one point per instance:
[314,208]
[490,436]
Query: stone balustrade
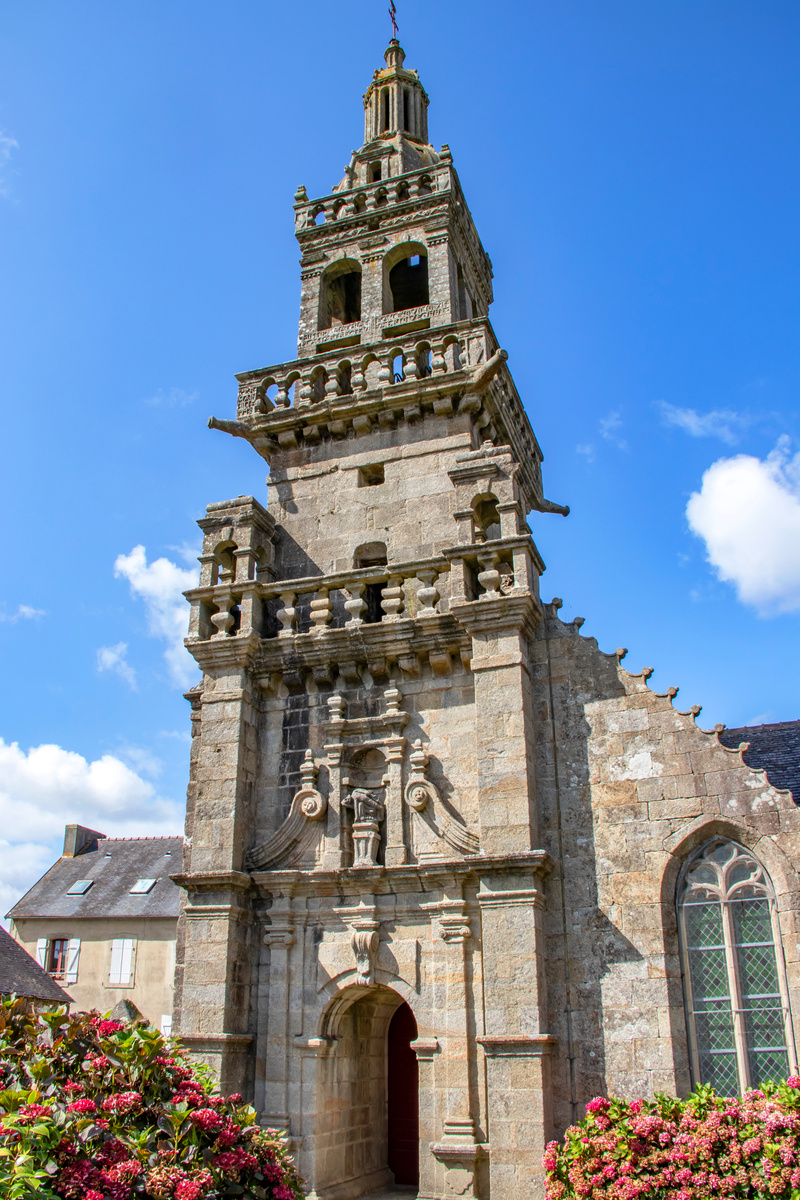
[367,198]
[358,370]
[372,595]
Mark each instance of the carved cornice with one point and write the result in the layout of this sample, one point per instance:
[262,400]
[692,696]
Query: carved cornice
[197,881]
[517,1045]
[407,878]
[503,615]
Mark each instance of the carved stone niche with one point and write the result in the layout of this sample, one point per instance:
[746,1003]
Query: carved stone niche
[365,782]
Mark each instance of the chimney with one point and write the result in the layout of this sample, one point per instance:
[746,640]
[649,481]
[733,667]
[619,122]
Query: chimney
[78,838]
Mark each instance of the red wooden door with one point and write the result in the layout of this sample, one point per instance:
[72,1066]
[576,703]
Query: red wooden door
[403,1087]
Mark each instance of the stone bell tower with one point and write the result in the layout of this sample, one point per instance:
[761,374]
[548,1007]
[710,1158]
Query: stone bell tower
[361,946]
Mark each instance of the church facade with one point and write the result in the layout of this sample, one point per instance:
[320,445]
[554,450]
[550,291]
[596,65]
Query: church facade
[450,869]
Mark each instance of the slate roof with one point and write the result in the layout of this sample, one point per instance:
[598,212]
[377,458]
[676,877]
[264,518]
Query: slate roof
[114,865]
[773,748]
[21,974]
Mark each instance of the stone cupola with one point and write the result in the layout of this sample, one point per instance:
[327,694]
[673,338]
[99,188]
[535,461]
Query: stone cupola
[395,101]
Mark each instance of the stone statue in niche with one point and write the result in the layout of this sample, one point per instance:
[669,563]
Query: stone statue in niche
[368,813]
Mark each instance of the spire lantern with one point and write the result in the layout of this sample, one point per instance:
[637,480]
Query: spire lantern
[396,103]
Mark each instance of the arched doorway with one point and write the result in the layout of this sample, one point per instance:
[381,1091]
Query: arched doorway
[367,1125]
[402,1081]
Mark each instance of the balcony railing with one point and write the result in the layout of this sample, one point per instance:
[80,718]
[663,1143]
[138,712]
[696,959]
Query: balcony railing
[357,370]
[367,596]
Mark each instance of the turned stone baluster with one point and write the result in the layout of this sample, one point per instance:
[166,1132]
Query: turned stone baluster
[411,367]
[223,620]
[321,610]
[428,594]
[438,364]
[358,380]
[282,398]
[304,387]
[287,615]
[489,576]
[354,604]
[392,598]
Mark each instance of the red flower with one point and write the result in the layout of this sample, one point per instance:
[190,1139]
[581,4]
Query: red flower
[207,1120]
[29,1113]
[105,1028]
[122,1102]
[84,1105]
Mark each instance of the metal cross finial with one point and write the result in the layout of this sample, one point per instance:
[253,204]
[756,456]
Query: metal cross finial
[393,15]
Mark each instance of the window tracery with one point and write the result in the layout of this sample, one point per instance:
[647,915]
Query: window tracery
[735,988]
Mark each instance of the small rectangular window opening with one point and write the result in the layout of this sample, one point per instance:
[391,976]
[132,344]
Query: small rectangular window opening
[142,887]
[375,173]
[371,476]
[57,966]
[80,887]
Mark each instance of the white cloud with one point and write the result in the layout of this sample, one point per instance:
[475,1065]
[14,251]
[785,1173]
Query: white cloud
[173,398]
[587,450]
[610,427]
[722,423]
[23,864]
[161,585]
[748,514]
[24,613]
[48,787]
[114,658]
[7,145]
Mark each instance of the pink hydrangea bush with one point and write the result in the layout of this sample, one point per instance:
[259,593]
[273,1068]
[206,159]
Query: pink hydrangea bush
[667,1149]
[91,1109]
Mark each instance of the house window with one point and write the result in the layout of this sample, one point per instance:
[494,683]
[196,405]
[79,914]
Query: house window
[57,958]
[735,988]
[122,962]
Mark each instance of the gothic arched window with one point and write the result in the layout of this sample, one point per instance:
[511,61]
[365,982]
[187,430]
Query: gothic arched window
[736,1007]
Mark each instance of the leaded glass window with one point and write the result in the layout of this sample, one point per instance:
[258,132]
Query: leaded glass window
[738,1017]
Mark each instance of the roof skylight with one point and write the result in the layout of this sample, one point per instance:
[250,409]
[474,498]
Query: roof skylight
[80,887]
[143,886]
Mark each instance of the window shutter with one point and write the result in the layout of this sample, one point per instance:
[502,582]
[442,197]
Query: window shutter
[73,954]
[115,975]
[166,1024]
[126,967]
[41,953]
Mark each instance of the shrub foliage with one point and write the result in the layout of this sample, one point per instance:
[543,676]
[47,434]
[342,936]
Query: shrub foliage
[668,1149]
[93,1109]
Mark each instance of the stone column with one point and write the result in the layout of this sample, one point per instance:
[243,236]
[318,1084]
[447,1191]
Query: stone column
[217,950]
[456,1148]
[275,1039]
[427,1050]
[516,1042]
[500,628]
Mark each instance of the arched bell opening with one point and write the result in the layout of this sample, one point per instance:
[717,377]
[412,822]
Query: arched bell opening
[368,1100]
[340,294]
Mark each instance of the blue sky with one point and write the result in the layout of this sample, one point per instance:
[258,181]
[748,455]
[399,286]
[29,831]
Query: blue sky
[633,171]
